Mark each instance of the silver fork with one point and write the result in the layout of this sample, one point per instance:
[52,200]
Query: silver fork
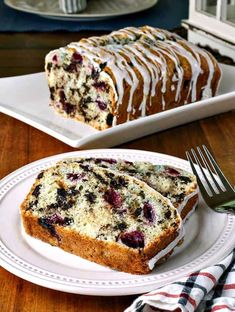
[216,190]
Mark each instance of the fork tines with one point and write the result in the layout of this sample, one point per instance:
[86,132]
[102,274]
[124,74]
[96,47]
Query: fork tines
[214,186]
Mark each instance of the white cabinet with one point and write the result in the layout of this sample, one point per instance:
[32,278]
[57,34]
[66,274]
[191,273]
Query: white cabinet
[212,23]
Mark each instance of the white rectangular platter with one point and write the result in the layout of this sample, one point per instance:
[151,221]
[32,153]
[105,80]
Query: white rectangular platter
[26,98]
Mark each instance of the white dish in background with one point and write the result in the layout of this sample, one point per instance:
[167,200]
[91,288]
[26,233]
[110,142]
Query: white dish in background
[209,238]
[95,10]
[27,99]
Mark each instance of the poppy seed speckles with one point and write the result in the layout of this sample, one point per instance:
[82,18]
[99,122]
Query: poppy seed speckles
[91,197]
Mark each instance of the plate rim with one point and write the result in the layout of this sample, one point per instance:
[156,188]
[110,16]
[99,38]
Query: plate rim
[20,268]
[81,16]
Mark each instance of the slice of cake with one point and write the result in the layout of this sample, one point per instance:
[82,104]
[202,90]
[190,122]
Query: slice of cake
[178,185]
[103,216]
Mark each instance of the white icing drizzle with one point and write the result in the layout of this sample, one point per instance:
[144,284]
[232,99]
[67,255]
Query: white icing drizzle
[149,50]
[195,67]
[207,89]
[166,250]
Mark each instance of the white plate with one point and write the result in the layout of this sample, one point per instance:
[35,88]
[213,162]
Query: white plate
[26,98]
[96,9]
[209,238]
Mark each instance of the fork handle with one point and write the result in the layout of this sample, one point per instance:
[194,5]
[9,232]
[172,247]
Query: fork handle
[228,207]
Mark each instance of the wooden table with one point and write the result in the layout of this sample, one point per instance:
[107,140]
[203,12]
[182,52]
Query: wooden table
[21,144]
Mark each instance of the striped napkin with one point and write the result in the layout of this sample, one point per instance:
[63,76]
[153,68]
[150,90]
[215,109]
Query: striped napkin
[208,290]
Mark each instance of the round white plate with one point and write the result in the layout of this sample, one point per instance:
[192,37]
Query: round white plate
[96,9]
[209,238]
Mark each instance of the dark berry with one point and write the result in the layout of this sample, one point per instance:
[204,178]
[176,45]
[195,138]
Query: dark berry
[113,198]
[36,191]
[68,108]
[101,105]
[168,214]
[55,58]
[55,219]
[149,213]
[77,57]
[109,119]
[71,68]
[91,197]
[172,172]
[47,225]
[134,239]
[74,177]
[62,96]
[100,86]
[108,160]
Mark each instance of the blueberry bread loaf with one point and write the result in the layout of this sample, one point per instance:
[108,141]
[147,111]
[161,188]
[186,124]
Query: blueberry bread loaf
[130,73]
[80,208]
[178,185]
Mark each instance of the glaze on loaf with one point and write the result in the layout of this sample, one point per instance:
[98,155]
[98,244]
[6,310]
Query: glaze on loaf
[131,73]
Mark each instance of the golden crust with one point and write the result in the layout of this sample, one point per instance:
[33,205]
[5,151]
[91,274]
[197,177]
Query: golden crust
[110,254]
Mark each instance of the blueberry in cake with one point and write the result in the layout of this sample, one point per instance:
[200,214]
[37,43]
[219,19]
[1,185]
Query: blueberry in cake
[180,186]
[79,208]
[130,73]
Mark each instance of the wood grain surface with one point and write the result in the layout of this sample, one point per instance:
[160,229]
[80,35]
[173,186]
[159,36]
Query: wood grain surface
[21,144]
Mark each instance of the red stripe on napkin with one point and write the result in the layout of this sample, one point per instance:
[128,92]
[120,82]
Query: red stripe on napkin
[220,307]
[210,276]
